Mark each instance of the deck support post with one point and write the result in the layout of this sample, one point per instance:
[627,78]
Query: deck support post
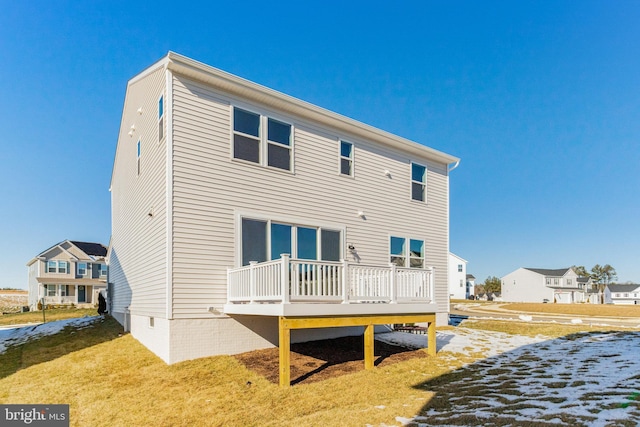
[368,346]
[284,334]
[431,338]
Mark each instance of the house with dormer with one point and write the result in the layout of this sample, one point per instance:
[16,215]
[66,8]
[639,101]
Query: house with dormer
[68,273]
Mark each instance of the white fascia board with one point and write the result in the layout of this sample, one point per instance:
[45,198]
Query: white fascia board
[249,90]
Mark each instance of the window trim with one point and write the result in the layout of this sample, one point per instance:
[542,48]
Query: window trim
[79,268]
[161,114]
[263,139]
[138,155]
[424,183]
[350,159]
[407,251]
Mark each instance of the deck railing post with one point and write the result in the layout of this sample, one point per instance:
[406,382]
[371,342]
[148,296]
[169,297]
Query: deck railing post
[431,282]
[345,281]
[252,281]
[393,283]
[284,278]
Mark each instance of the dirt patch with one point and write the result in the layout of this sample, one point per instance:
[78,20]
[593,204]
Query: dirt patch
[319,360]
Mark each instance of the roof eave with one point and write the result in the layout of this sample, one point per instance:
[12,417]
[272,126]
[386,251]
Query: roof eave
[249,90]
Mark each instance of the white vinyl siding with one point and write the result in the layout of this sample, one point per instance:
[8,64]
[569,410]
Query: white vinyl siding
[209,191]
[138,259]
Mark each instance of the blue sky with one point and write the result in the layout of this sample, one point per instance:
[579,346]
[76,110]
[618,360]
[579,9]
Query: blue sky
[540,100]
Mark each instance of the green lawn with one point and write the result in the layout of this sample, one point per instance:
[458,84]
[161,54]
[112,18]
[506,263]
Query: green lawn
[109,378]
[50,315]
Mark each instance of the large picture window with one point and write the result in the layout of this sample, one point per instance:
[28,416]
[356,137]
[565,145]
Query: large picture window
[249,138]
[264,240]
[407,252]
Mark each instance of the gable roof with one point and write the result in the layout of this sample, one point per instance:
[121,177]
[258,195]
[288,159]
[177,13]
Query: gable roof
[92,250]
[547,272]
[470,276]
[255,92]
[628,287]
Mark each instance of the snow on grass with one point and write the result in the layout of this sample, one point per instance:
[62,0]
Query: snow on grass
[15,336]
[582,379]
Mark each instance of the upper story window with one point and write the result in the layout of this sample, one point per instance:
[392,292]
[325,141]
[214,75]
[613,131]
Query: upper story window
[406,252]
[103,270]
[346,158]
[82,269]
[556,282]
[161,118]
[459,268]
[249,139]
[138,156]
[418,182]
[569,282]
[57,267]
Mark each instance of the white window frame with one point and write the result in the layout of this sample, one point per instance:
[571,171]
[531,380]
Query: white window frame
[80,268]
[138,155]
[47,288]
[263,139]
[294,223]
[423,183]
[459,268]
[66,267]
[161,118]
[407,251]
[350,159]
[52,268]
[103,270]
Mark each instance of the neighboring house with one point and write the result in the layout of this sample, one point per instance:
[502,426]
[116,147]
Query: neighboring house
[69,272]
[240,213]
[544,285]
[622,294]
[458,288]
[471,286]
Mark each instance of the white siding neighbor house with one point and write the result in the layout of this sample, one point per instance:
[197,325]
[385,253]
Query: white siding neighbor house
[458,285]
[624,294]
[69,272]
[240,213]
[544,285]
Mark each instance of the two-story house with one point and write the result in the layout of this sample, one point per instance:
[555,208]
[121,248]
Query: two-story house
[243,218]
[68,272]
[545,285]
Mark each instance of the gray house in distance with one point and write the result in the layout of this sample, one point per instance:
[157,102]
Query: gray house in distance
[240,213]
[69,272]
[545,285]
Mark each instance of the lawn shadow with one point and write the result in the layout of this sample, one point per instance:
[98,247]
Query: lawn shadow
[319,360]
[578,380]
[45,348]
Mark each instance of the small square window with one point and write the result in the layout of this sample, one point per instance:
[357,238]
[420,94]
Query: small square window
[346,158]
[459,268]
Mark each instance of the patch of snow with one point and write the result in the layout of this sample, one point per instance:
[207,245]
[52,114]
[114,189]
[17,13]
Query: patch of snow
[584,379]
[576,321]
[525,317]
[23,334]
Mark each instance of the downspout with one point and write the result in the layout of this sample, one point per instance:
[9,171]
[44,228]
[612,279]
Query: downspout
[455,165]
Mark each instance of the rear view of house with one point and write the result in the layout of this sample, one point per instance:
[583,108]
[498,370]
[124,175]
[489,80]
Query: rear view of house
[69,272]
[240,213]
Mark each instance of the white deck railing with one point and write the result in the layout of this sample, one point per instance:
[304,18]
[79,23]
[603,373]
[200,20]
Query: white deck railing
[287,280]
